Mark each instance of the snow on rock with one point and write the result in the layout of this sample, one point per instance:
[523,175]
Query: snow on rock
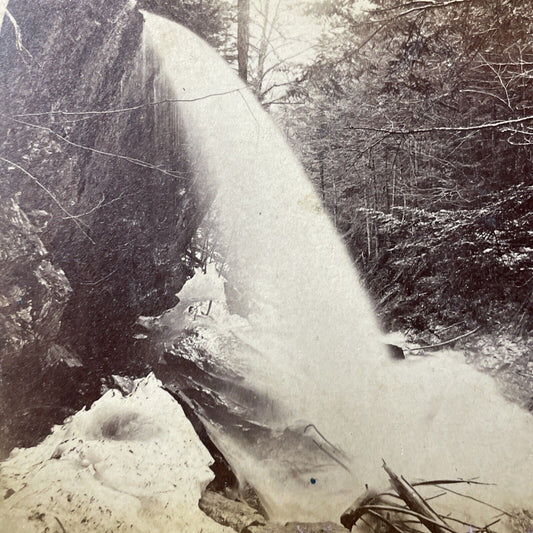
[130,463]
[203,286]
[203,307]
[202,302]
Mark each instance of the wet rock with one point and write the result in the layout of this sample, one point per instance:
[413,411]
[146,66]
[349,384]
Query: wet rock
[235,514]
[33,292]
[225,479]
[395,352]
[123,384]
[59,355]
[248,494]
[244,519]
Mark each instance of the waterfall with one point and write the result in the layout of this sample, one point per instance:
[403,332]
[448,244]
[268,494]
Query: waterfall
[314,344]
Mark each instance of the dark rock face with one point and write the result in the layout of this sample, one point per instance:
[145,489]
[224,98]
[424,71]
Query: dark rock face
[109,190]
[395,352]
[33,294]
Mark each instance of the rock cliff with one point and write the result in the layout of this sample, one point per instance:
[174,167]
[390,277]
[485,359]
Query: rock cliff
[83,148]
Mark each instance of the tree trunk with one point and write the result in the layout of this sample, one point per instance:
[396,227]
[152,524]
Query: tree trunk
[263,46]
[243,37]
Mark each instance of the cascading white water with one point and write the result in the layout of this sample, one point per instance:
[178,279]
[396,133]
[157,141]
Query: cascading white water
[317,343]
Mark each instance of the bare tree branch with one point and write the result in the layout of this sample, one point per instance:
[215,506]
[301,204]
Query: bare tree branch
[18,34]
[127,109]
[477,127]
[99,205]
[3,9]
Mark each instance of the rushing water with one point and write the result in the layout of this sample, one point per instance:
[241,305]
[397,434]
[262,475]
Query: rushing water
[322,401]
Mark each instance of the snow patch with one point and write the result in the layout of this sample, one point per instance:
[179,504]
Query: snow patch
[129,463]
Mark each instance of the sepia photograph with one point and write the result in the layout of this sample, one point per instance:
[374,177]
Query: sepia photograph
[266,266]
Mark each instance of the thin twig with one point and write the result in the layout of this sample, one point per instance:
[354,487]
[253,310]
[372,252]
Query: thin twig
[133,160]
[127,109]
[390,495]
[92,283]
[470,525]
[51,194]
[474,499]
[438,482]
[394,509]
[97,206]
[60,524]
[486,528]
[436,496]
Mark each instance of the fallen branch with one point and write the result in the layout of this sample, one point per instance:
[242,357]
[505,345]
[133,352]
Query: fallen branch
[423,519]
[414,509]
[416,503]
[438,345]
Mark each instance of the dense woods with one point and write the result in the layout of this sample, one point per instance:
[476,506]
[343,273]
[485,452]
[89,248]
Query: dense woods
[417,126]
[414,120]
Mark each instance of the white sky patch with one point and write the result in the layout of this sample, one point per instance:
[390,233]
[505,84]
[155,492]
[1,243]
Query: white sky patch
[292,38]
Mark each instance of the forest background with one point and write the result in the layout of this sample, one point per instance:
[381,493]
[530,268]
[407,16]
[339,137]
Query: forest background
[415,121]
